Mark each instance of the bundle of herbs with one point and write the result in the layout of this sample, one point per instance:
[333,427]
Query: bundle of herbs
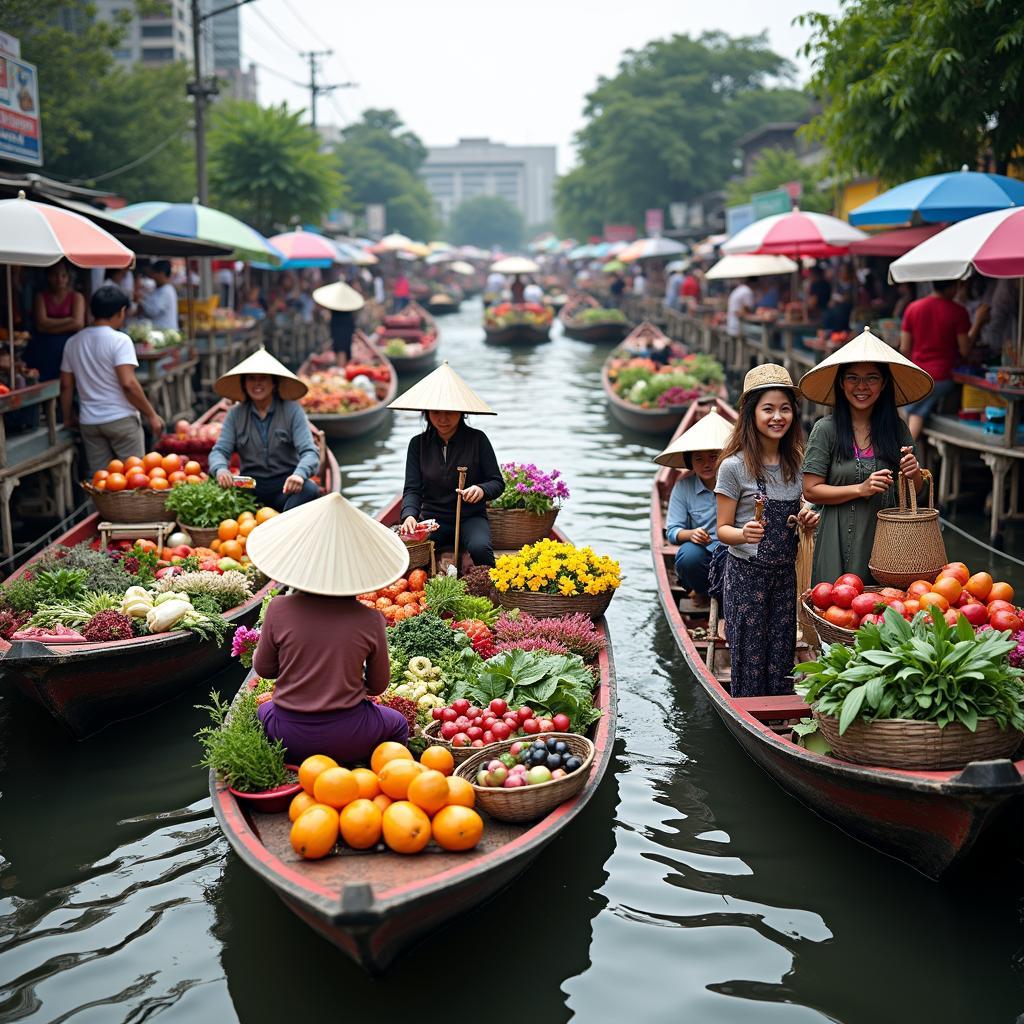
[447,596]
[207,505]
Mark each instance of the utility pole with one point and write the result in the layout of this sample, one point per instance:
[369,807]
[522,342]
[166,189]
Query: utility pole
[315,88]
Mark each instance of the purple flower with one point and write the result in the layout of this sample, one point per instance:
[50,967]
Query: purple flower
[243,644]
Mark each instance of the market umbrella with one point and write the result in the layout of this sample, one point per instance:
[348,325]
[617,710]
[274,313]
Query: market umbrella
[895,243]
[797,233]
[750,265]
[515,265]
[613,266]
[992,243]
[193,220]
[462,267]
[305,249]
[941,198]
[39,235]
[651,248]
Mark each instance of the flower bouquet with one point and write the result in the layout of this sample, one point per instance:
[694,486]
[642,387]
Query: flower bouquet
[525,511]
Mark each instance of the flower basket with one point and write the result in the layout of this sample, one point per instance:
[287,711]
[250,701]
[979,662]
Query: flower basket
[139,506]
[432,734]
[543,605]
[511,528]
[201,536]
[918,746]
[528,803]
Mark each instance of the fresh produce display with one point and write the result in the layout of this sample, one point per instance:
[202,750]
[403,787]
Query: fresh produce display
[508,314]
[530,488]
[568,634]
[448,597]
[422,684]
[152,471]
[148,337]
[556,567]
[403,599]
[651,385]
[233,535]
[598,315]
[464,725]
[207,504]
[424,635]
[530,764]
[409,334]
[191,439]
[335,391]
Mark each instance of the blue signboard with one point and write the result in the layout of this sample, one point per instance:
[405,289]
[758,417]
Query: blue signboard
[20,133]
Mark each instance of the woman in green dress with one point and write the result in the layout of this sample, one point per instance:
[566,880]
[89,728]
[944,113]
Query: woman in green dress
[853,455]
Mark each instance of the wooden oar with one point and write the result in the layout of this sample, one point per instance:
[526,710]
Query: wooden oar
[458,513]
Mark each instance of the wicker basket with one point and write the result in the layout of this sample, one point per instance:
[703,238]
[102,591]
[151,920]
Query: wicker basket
[141,506]
[202,537]
[543,605]
[908,542]
[421,555]
[828,632]
[432,734]
[528,803]
[511,528]
[918,746]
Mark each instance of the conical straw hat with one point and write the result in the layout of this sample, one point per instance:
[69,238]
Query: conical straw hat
[708,434]
[910,382]
[261,361]
[767,375]
[339,297]
[442,391]
[328,547]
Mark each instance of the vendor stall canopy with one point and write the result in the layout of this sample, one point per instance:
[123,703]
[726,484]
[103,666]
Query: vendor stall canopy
[442,391]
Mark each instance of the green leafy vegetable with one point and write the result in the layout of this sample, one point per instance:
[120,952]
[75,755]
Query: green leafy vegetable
[424,635]
[448,595]
[236,747]
[206,505]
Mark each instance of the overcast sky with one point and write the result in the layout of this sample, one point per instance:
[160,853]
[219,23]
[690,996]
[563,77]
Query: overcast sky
[515,72]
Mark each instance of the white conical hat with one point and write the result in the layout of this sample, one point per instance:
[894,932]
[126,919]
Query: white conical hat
[339,296]
[442,391]
[328,547]
[708,434]
[261,361]
[910,382]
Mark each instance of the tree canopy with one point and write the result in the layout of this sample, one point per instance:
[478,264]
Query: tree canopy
[266,166]
[488,222]
[775,167]
[919,87]
[664,128]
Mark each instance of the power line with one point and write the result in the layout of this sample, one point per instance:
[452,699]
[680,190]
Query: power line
[273,28]
[314,34]
[278,74]
[315,88]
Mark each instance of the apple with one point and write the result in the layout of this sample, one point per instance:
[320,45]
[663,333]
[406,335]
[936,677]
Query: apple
[460,706]
[821,596]
[449,714]
[460,739]
[531,725]
[524,713]
[888,594]
[449,730]
[898,607]
[561,722]
[501,731]
[481,777]
[488,736]
[976,614]
[558,773]
[1004,620]
[866,604]
[999,606]
[498,706]
[463,723]
[435,714]
[952,616]
[537,774]
[517,747]
[872,619]
[474,732]
[843,595]
[546,725]
[514,781]
[850,579]
[497,776]
[477,743]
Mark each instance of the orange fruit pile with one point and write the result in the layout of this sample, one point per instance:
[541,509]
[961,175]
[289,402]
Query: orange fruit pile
[232,534]
[152,471]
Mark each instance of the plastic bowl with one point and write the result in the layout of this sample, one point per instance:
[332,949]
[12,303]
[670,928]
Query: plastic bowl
[269,801]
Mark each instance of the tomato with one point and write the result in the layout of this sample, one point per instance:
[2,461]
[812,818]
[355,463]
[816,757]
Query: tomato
[931,599]
[850,579]
[917,588]
[1004,620]
[561,722]
[979,585]
[949,587]
[417,580]
[498,706]
[912,606]
[843,595]
[1000,592]
[821,596]
[999,606]
[135,481]
[958,570]
[400,586]
[531,725]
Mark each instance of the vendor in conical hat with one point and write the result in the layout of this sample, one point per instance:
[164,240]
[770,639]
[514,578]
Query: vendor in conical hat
[269,431]
[434,458]
[327,652]
[692,520]
[343,302]
[853,454]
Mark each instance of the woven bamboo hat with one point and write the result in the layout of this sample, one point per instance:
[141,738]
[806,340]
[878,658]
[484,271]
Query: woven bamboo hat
[442,391]
[328,547]
[910,382]
[708,434]
[767,375]
[339,297]
[261,361]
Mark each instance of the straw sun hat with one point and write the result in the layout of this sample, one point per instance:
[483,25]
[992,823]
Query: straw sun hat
[708,434]
[339,297]
[910,382]
[767,375]
[261,361]
[328,547]
[442,391]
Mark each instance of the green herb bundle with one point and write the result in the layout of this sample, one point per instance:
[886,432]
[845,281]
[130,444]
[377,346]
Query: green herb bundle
[447,595]
[923,670]
[424,635]
[236,747]
[208,504]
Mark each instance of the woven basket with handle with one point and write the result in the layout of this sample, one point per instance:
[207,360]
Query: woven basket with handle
[908,542]
[421,554]
[827,631]
[139,506]
[512,528]
[432,734]
[917,746]
[528,803]
[202,537]
[545,605]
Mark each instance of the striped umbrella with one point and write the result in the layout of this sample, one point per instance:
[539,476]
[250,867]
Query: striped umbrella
[797,233]
[651,248]
[305,249]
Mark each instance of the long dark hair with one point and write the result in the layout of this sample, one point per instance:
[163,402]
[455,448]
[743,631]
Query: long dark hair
[745,438]
[885,420]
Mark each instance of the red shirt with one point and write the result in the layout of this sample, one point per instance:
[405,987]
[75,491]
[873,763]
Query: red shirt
[691,287]
[934,323]
[402,288]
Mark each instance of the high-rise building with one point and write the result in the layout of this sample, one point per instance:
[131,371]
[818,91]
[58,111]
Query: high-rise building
[524,175]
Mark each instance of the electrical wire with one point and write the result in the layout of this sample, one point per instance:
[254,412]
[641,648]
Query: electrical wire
[278,74]
[947,525]
[277,32]
[173,137]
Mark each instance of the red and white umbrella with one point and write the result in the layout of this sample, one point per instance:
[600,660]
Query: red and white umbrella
[306,248]
[797,233]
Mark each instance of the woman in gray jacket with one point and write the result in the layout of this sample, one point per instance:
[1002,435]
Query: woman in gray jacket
[269,431]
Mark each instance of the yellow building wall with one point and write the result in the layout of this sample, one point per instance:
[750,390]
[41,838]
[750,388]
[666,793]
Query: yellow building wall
[855,194]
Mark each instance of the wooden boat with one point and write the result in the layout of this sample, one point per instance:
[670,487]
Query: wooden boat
[608,333]
[423,341]
[929,820]
[446,302]
[517,334]
[355,424]
[372,905]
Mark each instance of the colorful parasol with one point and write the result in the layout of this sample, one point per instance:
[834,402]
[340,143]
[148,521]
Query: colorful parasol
[651,248]
[797,233]
[305,249]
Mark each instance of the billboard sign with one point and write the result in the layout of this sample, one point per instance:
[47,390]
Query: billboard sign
[654,221]
[738,217]
[619,233]
[767,203]
[20,132]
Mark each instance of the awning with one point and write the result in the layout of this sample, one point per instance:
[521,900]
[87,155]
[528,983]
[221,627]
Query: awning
[894,243]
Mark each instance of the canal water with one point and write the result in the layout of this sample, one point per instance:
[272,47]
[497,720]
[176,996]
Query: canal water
[692,888]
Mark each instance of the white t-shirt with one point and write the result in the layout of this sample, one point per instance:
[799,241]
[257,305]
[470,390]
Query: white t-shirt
[533,293]
[161,307]
[378,290]
[495,283]
[91,356]
[639,284]
[740,298]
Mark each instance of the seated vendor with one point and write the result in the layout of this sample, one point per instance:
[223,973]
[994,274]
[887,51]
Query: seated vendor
[344,302]
[269,431]
[326,651]
[435,456]
[692,508]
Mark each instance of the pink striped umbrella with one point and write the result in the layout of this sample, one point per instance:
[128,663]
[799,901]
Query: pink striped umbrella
[306,248]
[797,233]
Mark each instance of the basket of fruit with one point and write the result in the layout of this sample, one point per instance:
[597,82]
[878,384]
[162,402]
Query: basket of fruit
[837,609]
[522,780]
[136,490]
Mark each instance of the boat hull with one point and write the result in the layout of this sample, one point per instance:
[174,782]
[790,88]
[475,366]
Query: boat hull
[596,334]
[517,334]
[337,426]
[415,364]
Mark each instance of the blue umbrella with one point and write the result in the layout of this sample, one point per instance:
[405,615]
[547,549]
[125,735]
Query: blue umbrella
[941,198]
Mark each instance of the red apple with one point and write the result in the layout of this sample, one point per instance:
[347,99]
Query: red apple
[866,604]
[952,616]
[843,595]
[976,614]
[821,596]
[898,607]
[850,579]
[1003,620]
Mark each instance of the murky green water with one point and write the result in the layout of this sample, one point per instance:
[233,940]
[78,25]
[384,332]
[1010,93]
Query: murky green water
[692,889]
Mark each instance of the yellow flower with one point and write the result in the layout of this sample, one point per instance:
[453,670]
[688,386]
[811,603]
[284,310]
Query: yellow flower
[566,586]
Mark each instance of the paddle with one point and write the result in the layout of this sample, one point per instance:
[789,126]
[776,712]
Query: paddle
[453,570]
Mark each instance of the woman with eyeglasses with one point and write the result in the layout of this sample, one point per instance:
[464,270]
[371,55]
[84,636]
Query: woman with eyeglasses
[853,456]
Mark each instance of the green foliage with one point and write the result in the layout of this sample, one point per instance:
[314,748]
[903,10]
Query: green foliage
[206,505]
[60,585]
[424,635]
[599,316]
[18,596]
[210,626]
[918,87]
[924,671]
[104,573]
[664,128]
[74,612]
[775,167]
[266,166]
[491,222]
[447,595]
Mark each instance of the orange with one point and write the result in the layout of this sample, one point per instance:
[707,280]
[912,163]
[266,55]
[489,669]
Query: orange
[300,802]
[131,462]
[170,463]
[312,767]
[388,752]
[438,758]
[115,466]
[932,599]
[158,483]
[949,587]
[369,787]
[396,775]
[314,832]
[246,526]
[193,479]
[958,570]
[917,588]
[100,485]
[137,479]
[193,467]
[100,474]
[361,823]
[231,549]
[460,792]
[156,472]
[266,513]
[176,477]
[457,828]
[246,516]
[429,791]
[979,585]
[382,801]
[406,828]
[335,787]
[151,460]
[215,545]
[228,529]
[999,591]
[116,482]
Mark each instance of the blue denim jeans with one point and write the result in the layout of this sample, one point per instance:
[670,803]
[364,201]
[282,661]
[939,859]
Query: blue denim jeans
[693,562]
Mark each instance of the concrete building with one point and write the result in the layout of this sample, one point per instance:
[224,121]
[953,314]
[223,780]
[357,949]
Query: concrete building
[524,175]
